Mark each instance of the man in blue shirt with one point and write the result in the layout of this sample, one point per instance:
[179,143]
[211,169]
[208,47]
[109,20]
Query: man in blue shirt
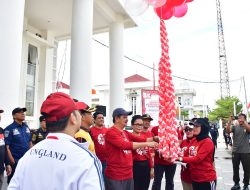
[17,138]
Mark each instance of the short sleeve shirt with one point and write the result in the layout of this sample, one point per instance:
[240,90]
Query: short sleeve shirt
[240,140]
[18,138]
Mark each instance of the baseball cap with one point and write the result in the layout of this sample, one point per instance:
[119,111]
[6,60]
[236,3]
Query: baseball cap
[41,118]
[120,111]
[192,121]
[147,116]
[83,106]
[18,109]
[57,106]
[1,111]
[189,126]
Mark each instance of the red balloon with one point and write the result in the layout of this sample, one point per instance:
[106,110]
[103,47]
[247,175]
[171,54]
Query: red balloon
[176,2]
[165,12]
[188,1]
[181,10]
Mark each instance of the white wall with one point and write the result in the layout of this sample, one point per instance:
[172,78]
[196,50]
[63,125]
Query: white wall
[11,36]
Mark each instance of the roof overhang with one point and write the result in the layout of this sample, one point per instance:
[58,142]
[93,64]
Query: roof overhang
[56,16]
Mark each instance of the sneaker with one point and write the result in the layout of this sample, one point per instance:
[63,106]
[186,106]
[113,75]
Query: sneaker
[245,188]
[236,187]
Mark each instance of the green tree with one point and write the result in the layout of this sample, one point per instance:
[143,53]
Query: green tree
[185,114]
[225,108]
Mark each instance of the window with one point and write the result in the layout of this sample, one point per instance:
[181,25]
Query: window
[179,100]
[133,105]
[31,79]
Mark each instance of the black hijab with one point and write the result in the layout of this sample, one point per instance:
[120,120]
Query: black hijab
[203,123]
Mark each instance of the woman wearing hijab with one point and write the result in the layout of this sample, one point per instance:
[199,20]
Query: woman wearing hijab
[201,157]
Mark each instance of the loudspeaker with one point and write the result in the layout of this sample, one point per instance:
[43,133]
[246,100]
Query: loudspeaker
[102,109]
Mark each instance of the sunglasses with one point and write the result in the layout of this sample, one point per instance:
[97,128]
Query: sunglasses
[188,130]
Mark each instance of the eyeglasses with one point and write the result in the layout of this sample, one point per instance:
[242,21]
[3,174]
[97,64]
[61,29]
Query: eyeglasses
[138,125]
[188,130]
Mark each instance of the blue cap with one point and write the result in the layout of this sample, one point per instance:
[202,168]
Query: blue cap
[120,111]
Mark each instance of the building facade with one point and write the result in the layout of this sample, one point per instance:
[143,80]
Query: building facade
[28,50]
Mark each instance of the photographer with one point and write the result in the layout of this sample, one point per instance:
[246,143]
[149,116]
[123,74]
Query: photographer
[241,149]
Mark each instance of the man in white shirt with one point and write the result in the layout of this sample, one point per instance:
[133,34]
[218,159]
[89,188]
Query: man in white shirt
[59,162]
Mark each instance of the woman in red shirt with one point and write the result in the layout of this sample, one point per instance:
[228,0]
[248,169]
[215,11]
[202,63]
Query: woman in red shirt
[185,145]
[201,157]
[142,161]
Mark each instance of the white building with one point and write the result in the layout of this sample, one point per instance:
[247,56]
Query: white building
[31,30]
[185,97]
[132,96]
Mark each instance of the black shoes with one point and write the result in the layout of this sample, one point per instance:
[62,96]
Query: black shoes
[237,187]
[245,188]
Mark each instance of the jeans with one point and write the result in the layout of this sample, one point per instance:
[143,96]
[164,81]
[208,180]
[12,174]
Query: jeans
[169,171]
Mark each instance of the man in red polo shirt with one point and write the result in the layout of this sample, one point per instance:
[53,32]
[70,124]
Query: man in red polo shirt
[146,118]
[119,145]
[162,166]
[98,132]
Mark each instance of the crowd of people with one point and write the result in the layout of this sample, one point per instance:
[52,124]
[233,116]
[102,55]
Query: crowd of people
[73,149]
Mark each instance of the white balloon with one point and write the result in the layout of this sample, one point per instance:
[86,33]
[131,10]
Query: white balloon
[157,3]
[136,7]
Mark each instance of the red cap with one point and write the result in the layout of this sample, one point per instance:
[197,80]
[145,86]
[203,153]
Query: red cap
[84,107]
[58,105]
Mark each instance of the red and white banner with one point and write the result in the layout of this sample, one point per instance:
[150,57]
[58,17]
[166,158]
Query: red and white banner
[150,104]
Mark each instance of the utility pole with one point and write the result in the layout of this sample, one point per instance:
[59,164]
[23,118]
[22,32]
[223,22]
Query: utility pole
[224,79]
[245,91]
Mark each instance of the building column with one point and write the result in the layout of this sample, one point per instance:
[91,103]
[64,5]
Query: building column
[11,36]
[116,83]
[81,50]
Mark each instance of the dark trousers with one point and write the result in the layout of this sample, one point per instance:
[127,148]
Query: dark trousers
[141,173]
[244,158]
[111,184]
[12,173]
[169,171]
[104,164]
[204,185]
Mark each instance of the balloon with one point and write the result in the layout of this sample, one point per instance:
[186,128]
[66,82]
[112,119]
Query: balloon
[188,1]
[165,12]
[176,2]
[136,7]
[157,3]
[181,10]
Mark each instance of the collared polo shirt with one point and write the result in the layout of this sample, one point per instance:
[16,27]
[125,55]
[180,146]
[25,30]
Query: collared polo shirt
[18,138]
[59,163]
[240,139]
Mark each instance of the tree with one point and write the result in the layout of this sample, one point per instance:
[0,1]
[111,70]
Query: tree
[225,108]
[185,114]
